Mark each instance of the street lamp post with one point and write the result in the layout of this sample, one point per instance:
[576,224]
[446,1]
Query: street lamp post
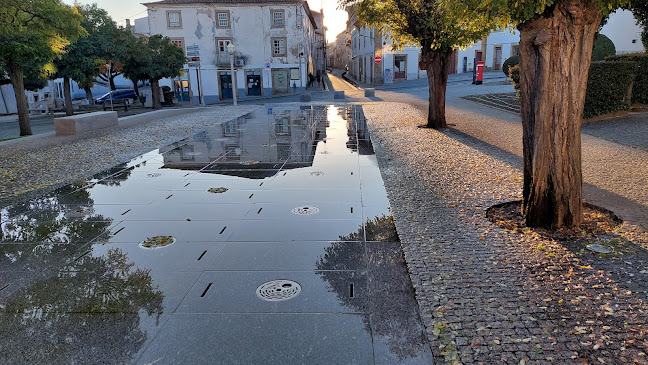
[230,50]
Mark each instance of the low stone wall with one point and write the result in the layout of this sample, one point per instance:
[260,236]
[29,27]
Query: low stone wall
[84,122]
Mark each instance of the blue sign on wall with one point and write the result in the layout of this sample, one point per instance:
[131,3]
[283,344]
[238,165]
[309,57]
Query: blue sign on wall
[269,110]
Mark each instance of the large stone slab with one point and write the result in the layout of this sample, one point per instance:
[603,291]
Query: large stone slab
[84,122]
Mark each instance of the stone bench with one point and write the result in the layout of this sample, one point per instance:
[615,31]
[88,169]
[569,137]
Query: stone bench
[338,95]
[304,98]
[370,93]
[84,122]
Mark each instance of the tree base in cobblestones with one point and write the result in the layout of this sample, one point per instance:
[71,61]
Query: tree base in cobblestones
[597,222]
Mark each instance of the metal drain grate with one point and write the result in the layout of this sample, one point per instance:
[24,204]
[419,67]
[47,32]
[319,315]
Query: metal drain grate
[153,175]
[278,290]
[217,190]
[317,173]
[305,210]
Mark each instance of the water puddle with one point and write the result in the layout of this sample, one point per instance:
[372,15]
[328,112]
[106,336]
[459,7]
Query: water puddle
[163,256]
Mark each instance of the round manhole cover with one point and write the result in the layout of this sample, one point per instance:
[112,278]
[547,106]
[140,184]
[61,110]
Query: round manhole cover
[217,190]
[278,290]
[595,247]
[153,175]
[317,173]
[305,210]
[158,242]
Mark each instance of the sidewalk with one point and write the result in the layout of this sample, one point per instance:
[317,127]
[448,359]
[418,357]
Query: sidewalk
[499,297]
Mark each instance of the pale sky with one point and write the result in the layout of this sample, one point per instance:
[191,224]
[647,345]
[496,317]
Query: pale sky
[120,10]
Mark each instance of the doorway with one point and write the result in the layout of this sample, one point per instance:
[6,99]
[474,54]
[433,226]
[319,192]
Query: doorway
[400,67]
[253,79]
[225,81]
[497,62]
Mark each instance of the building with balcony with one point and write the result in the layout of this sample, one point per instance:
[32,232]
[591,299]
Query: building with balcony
[274,40]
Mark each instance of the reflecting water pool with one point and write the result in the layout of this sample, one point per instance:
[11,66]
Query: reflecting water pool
[263,240]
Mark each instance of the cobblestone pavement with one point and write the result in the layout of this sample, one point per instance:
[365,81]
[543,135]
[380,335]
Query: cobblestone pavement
[504,101]
[40,162]
[496,297]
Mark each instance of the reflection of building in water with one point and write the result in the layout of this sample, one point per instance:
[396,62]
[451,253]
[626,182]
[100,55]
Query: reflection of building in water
[265,139]
[357,130]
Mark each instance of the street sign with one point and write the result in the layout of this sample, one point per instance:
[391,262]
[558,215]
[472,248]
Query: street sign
[267,65]
[378,59]
[194,59]
[194,47]
[194,64]
[193,53]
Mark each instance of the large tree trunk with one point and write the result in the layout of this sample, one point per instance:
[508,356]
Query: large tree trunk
[88,91]
[18,83]
[136,88]
[67,93]
[555,54]
[437,66]
[155,93]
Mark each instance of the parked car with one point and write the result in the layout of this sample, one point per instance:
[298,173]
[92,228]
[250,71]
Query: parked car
[117,94]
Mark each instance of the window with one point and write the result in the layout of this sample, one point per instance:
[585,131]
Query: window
[278,18]
[174,19]
[515,50]
[233,152]
[282,126]
[222,19]
[283,152]
[178,42]
[221,46]
[230,128]
[278,47]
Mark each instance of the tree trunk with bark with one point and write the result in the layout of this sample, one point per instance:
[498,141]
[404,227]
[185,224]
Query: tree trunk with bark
[555,56]
[88,92]
[136,88]
[155,93]
[437,66]
[67,93]
[18,83]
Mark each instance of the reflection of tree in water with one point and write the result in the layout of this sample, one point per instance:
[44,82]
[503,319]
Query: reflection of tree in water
[65,216]
[380,228]
[88,311]
[63,306]
[393,312]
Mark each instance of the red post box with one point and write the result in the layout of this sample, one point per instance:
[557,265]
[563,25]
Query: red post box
[479,71]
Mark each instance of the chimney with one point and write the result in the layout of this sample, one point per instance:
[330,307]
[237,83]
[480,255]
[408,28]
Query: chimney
[128,24]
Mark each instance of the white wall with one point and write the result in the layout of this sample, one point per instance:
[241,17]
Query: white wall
[624,32]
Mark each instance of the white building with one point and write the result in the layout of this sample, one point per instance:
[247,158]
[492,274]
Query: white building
[366,44]
[273,41]
[621,28]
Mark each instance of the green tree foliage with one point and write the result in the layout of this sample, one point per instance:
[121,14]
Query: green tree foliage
[33,31]
[603,47]
[114,45]
[152,59]
[81,61]
[437,26]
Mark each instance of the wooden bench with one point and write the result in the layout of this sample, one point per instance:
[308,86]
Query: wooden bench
[84,122]
[116,103]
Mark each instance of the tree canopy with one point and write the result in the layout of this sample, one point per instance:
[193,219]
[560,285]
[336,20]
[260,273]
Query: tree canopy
[33,32]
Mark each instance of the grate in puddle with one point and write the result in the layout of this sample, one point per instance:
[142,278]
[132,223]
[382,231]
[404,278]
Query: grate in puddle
[317,173]
[305,210]
[153,175]
[278,290]
[217,190]
[158,242]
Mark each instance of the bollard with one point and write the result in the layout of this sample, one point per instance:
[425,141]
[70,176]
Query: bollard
[338,95]
[369,93]
[304,98]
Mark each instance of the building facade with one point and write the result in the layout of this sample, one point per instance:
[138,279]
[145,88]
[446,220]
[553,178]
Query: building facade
[273,40]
